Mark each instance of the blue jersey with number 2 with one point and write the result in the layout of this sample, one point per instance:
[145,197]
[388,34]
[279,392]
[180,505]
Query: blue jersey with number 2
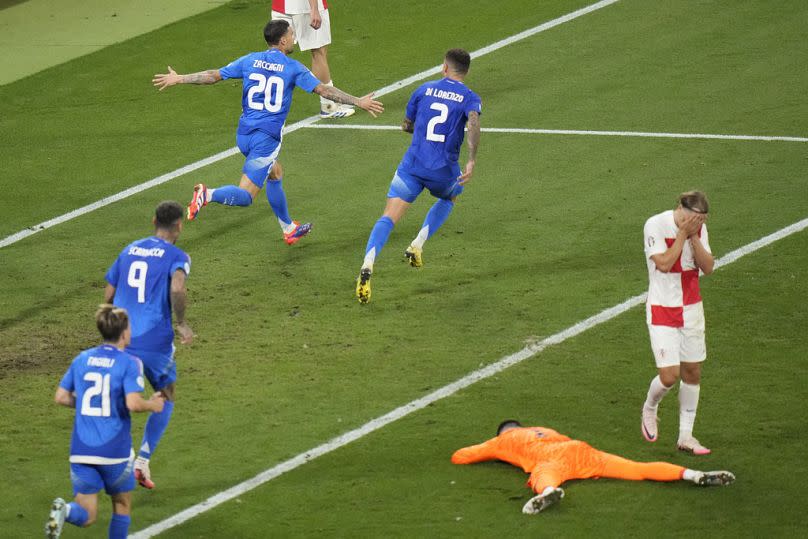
[101,377]
[141,276]
[269,79]
[440,110]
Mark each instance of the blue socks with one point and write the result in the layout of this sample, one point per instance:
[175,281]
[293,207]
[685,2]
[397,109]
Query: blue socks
[76,514]
[119,526]
[378,237]
[231,195]
[277,199]
[437,215]
[155,427]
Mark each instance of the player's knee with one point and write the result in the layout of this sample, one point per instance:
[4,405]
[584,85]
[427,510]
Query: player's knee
[691,374]
[669,378]
[121,505]
[276,172]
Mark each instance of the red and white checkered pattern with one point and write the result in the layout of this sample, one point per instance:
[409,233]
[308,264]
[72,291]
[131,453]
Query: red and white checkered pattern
[669,293]
[294,7]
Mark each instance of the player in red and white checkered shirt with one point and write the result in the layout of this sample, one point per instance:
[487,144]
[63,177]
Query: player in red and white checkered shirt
[676,249]
[311,21]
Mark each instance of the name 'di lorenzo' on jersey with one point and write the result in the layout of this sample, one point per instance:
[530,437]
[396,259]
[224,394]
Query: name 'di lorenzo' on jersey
[444,94]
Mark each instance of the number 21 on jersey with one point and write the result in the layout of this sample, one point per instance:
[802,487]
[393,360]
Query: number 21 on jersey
[100,388]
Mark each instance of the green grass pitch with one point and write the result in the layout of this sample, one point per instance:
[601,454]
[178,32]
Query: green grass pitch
[547,234]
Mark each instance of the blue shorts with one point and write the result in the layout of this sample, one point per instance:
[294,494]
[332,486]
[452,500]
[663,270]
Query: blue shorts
[261,151]
[113,478]
[160,369]
[407,186]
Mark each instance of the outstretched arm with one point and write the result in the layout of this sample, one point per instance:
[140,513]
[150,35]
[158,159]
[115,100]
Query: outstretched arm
[475,453]
[164,80]
[365,102]
[473,142]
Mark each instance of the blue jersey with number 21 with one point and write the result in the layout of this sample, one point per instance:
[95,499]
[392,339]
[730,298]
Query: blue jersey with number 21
[101,377]
[269,79]
[439,110]
[141,276]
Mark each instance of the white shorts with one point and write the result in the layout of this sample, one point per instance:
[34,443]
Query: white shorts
[672,346]
[305,36]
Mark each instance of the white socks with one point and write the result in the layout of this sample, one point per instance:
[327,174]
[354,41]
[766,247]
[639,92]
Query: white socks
[370,258]
[420,239]
[286,227]
[656,391]
[327,102]
[691,475]
[688,404]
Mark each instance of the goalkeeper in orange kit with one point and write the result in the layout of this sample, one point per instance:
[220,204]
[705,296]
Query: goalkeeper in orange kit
[552,458]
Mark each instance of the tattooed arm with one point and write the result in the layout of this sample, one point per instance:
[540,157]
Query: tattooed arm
[335,94]
[473,142]
[164,80]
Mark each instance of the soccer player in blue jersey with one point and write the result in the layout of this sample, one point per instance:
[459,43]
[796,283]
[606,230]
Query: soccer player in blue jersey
[103,384]
[269,78]
[148,280]
[437,114]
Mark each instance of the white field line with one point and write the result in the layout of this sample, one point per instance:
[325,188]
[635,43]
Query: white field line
[14,238]
[445,391]
[580,132]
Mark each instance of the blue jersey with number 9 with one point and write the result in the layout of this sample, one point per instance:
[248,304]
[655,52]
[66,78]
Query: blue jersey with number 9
[439,110]
[141,276]
[269,79]
[101,377]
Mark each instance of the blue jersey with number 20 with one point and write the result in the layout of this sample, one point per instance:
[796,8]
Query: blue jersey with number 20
[141,276]
[101,377]
[269,79]
[439,110]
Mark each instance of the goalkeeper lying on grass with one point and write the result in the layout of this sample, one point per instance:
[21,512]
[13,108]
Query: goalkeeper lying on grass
[552,458]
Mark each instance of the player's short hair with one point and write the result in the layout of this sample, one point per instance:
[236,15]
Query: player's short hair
[275,30]
[695,201]
[507,424]
[458,60]
[167,214]
[112,321]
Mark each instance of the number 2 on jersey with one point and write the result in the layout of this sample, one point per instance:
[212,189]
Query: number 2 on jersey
[272,88]
[137,279]
[100,387]
[443,115]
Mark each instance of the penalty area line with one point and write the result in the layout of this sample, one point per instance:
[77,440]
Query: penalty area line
[441,393]
[642,134]
[14,238]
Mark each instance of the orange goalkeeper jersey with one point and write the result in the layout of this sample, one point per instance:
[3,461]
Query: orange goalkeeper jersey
[552,458]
